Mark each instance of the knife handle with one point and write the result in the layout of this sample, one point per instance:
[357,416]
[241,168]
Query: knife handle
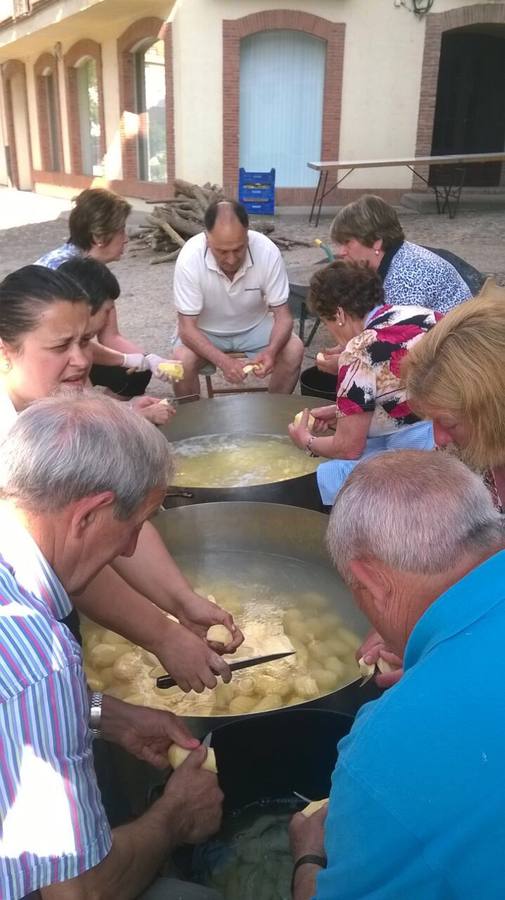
[165,681]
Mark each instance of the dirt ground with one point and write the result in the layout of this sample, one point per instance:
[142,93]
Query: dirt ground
[145,307]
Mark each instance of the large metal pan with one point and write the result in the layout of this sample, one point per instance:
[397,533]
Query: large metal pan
[265,414]
[211,529]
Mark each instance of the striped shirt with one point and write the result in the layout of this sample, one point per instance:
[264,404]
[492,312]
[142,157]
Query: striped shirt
[53,825]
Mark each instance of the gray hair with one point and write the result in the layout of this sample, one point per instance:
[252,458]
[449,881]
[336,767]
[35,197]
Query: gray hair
[65,448]
[416,511]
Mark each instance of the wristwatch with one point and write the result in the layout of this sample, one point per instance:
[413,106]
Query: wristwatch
[95,713]
[308,446]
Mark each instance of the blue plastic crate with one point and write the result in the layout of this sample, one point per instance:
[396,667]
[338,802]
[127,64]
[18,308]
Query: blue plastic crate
[256,191]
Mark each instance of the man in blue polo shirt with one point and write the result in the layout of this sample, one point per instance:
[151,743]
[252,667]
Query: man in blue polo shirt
[417,805]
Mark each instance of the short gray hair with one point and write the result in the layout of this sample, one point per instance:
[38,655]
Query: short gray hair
[65,448]
[416,511]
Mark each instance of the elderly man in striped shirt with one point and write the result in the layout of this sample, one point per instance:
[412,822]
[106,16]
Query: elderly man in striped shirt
[78,477]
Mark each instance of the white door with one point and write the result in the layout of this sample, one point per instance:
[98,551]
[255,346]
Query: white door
[281,104]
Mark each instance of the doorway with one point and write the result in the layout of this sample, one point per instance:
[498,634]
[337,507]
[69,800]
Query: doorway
[282,76]
[470,105]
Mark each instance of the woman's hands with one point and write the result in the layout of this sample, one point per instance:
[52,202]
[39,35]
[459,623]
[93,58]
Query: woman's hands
[159,412]
[198,614]
[183,650]
[330,362]
[323,417]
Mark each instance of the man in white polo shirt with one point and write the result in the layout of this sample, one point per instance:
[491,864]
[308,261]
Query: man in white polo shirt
[231,294]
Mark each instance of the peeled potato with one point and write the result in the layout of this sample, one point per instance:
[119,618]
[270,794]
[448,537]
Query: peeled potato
[316,627]
[334,664]
[94,682]
[314,806]
[326,680]
[320,358]
[383,666]
[298,418]
[177,755]
[251,368]
[337,647]
[305,686]
[104,655]
[219,634]
[245,686]
[224,694]
[127,666]
[174,369]
[270,701]
[345,634]
[366,669]
[241,704]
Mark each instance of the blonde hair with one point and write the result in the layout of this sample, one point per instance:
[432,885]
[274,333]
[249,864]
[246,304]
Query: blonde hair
[459,367]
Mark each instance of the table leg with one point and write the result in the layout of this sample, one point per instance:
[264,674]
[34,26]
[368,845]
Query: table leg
[316,194]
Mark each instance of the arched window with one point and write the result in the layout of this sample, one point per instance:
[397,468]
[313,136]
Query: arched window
[83,67]
[48,107]
[145,62]
[89,116]
[150,100]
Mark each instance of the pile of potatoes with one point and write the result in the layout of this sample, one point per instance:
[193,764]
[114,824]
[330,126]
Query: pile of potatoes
[324,661]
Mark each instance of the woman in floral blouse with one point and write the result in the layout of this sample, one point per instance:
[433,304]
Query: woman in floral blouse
[371,413]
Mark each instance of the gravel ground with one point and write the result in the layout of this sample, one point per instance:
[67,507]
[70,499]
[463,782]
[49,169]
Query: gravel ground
[146,304]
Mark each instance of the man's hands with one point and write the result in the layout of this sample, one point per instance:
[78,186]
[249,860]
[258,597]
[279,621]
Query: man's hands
[265,359]
[156,411]
[233,369]
[375,647]
[143,732]
[192,800]
[198,614]
[306,833]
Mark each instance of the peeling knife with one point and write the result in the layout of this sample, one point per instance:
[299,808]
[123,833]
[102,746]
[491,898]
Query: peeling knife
[166,681]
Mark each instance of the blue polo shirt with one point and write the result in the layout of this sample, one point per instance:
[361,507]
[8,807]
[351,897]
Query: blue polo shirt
[417,805]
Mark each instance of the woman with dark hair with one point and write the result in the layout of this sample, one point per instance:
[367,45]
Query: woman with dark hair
[102,290]
[45,342]
[97,227]
[371,413]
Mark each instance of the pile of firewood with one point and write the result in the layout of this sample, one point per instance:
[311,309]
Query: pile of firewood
[173,222]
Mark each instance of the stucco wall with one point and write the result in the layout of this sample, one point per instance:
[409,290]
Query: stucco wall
[382,73]
[383,56]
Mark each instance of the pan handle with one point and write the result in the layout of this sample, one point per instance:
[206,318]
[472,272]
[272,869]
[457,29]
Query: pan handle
[182,492]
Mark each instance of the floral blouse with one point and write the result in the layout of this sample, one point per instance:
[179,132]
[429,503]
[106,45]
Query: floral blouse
[368,378]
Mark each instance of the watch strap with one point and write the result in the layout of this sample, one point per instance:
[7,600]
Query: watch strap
[311,859]
[95,713]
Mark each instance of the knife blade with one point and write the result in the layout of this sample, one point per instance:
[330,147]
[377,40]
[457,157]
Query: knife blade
[166,681]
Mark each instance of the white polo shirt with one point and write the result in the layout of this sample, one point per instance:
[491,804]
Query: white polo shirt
[223,306]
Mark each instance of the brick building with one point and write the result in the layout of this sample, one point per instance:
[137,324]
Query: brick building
[131,94]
